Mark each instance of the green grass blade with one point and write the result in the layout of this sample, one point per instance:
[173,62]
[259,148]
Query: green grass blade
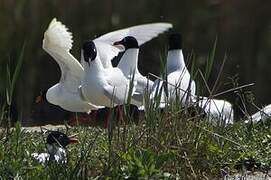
[210,60]
[8,86]
[17,70]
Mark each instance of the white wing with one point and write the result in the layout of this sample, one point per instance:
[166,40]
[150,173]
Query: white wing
[142,33]
[58,42]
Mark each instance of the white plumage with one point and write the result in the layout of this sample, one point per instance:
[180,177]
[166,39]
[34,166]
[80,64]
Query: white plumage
[218,111]
[102,86]
[58,42]
[179,80]
[60,156]
[129,66]
[178,83]
[261,115]
[143,33]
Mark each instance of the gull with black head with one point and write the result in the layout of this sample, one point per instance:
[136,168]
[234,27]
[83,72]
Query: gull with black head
[102,86]
[178,80]
[129,66]
[56,144]
[58,42]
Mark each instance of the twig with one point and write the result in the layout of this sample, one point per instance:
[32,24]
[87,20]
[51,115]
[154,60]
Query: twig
[218,135]
[234,89]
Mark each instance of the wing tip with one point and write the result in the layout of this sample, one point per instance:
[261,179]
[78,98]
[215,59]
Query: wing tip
[58,34]
[53,21]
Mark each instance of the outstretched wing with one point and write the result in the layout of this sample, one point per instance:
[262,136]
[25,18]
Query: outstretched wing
[142,33]
[57,42]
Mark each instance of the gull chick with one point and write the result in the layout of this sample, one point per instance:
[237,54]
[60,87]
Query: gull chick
[56,144]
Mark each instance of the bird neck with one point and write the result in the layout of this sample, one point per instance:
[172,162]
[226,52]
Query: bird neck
[175,61]
[95,65]
[129,61]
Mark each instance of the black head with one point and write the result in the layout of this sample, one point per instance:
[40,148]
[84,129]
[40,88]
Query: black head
[59,138]
[89,51]
[175,41]
[128,42]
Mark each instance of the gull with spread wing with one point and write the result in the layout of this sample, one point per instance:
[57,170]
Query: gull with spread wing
[58,42]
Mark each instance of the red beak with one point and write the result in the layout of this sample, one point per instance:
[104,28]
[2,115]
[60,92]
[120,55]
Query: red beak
[73,140]
[119,46]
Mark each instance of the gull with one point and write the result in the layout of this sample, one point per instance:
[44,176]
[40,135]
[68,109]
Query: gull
[179,84]
[57,42]
[178,81]
[262,115]
[102,86]
[128,64]
[56,143]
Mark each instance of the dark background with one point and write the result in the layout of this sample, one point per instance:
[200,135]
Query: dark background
[242,27]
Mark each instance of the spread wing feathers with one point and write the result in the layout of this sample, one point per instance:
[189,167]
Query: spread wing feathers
[58,42]
[57,36]
[142,33]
